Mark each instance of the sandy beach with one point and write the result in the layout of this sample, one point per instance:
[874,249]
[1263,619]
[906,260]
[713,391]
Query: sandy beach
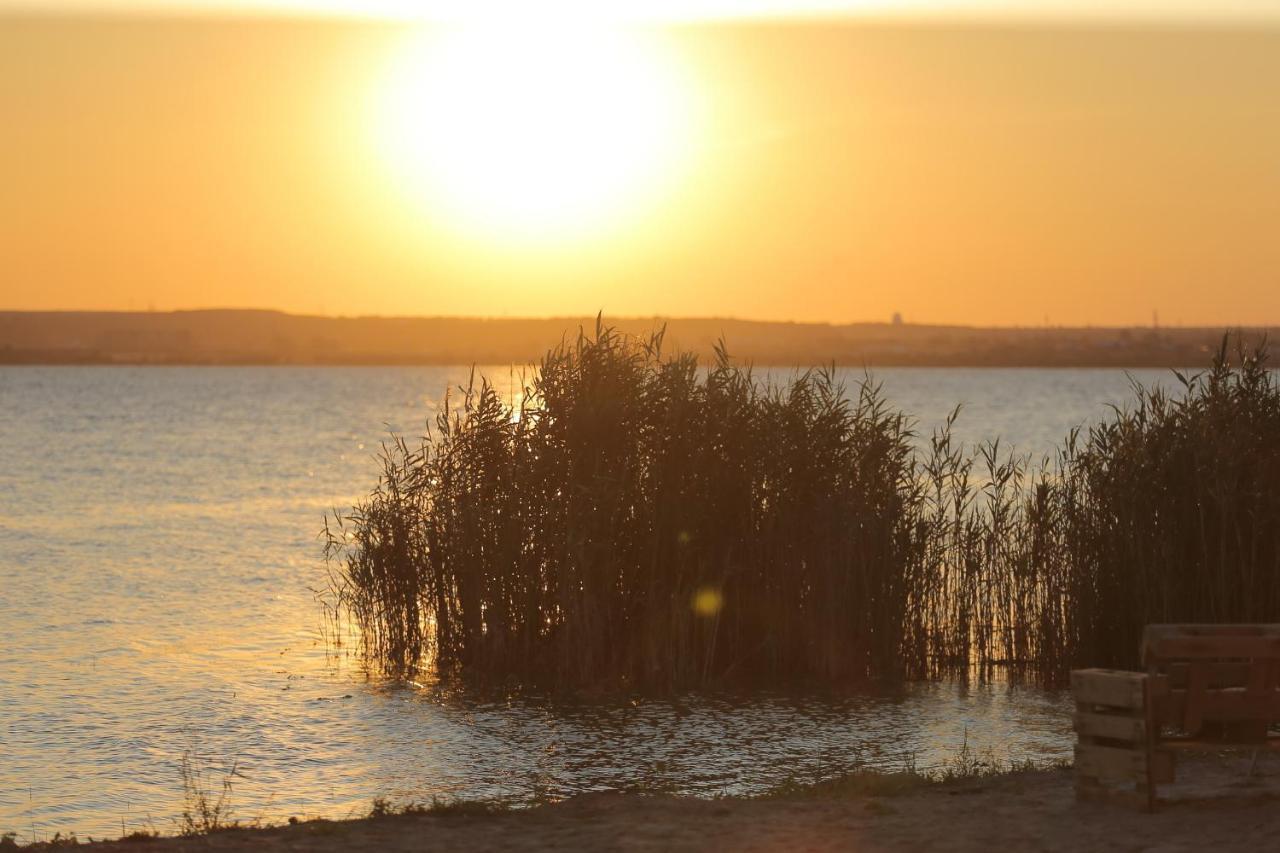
[1215,805]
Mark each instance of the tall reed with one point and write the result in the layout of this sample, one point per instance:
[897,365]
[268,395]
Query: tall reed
[637,521]
[1171,510]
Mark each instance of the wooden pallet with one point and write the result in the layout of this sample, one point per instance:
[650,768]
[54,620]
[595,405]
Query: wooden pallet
[1116,756]
[1205,686]
[1223,680]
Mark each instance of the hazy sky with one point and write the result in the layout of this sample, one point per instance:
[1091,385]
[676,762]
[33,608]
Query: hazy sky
[691,9]
[971,174]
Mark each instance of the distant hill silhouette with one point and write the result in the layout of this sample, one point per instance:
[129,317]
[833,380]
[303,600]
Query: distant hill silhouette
[273,337]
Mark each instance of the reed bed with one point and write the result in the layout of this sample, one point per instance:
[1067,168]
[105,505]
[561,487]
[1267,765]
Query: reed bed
[636,521]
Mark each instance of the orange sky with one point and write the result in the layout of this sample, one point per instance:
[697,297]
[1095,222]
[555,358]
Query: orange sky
[997,175]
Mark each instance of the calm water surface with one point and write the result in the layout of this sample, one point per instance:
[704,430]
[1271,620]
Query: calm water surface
[158,539]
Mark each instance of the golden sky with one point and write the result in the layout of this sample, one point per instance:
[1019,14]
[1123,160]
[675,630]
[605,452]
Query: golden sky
[960,172]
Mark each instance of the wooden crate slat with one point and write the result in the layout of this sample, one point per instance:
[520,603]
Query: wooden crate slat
[1111,726]
[1153,634]
[1210,629]
[1109,687]
[1211,648]
[1197,685]
[1176,744]
[1221,673]
[1258,680]
[1110,764]
[1219,705]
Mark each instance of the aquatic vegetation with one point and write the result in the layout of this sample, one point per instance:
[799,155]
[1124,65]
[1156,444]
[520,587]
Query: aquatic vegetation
[383,807]
[891,783]
[1169,511]
[637,521]
[205,811]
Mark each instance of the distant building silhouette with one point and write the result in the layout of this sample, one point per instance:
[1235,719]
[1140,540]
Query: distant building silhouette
[897,318]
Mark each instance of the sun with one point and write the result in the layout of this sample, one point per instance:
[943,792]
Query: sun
[532,132]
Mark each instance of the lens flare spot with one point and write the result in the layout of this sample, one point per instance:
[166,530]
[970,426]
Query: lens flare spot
[707,601]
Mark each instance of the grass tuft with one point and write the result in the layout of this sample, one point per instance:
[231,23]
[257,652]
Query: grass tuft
[204,810]
[382,807]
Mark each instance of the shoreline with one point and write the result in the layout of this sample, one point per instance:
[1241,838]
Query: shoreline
[1215,804]
[242,337]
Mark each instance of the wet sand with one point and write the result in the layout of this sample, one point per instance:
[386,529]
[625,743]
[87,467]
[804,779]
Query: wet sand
[1215,805]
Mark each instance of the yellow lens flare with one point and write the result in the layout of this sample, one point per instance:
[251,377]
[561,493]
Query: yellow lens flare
[707,601]
[532,133]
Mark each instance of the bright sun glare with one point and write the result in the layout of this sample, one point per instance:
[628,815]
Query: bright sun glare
[532,134]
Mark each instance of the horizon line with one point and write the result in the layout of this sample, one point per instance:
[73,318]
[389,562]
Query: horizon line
[639,317]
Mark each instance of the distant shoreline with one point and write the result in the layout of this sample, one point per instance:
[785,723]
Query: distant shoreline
[251,337]
[23,359]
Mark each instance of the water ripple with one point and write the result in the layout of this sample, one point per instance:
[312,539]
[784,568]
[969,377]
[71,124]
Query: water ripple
[159,533]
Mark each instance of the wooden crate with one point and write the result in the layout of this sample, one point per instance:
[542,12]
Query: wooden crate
[1205,686]
[1224,681]
[1116,757]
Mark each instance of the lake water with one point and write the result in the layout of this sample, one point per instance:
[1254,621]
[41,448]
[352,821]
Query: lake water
[158,539]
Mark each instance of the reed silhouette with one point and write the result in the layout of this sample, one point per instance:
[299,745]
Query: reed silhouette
[636,521]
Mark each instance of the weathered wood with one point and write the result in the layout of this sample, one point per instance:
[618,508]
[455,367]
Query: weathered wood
[1220,673]
[1223,673]
[1156,686]
[1214,648]
[1168,643]
[1179,744]
[1218,683]
[1216,629]
[1193,706]
[1159,631]
[1111,726]
[1261,677]
[1227,705]
[1130,765]
[1110,687]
